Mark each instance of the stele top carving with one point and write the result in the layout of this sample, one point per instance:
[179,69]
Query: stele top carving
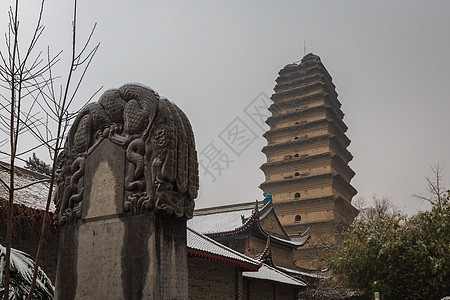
[157,137]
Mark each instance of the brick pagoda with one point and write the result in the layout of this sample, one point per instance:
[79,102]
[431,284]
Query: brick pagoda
[307,169]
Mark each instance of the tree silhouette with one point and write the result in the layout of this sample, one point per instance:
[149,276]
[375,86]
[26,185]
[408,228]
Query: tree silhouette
[35,164]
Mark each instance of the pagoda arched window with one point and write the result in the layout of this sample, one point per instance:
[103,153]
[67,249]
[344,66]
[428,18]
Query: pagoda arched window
[297,195]
[298,218]
[296,155]
[297,174]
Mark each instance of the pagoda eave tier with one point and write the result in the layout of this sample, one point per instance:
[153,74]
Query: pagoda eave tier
[295,162]
[303,90]
[300,125]
[311,202]
[292,76]
[291,160]
[314,204]
[305,85]
[294,181]
[295,144]
[295,102]
[308,125]
[300,92]
[310,63]
[298,114]
[350,211]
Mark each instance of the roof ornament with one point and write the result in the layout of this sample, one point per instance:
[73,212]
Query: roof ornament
[267,197]
[266,255]
[304,47]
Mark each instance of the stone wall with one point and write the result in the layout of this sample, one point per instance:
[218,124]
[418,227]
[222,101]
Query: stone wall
[264,290]
[213,280]
[113,255]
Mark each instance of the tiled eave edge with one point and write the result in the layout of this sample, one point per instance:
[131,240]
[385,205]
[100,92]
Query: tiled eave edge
[21,211]
[215,257]
[254,219]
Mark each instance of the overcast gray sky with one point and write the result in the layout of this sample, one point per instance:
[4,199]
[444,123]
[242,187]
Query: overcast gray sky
[390,62]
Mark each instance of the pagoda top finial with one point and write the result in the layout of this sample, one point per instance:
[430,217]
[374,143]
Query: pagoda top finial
[310,57]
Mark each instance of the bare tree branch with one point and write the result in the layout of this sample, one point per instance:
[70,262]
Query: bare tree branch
[32,183]
[435,188]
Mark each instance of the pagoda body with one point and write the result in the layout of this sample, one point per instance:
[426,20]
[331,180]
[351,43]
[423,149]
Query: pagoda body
[307,169]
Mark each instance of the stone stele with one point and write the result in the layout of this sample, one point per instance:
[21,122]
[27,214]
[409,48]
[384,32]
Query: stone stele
[126,184]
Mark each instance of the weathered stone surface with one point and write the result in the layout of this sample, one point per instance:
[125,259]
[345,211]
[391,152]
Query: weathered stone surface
[98,265]
[127,181]
[105,173]
[160,157]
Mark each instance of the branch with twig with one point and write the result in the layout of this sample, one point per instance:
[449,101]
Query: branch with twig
[29,88]
[436,189]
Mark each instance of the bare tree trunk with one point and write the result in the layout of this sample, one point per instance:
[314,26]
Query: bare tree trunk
[436,191]
[13,143]
[23,80]
[62,120]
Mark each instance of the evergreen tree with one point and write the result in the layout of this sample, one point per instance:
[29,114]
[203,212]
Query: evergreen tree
[400,257]
[21,274]
[35,164]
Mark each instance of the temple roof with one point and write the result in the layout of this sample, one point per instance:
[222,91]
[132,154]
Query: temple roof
[202,246]
[233,219]
[221,218]
[33,195]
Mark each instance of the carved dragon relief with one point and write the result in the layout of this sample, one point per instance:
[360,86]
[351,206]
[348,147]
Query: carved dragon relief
[162,167]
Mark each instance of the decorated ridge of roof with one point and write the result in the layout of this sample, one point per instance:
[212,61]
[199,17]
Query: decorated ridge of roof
[230,222]
[271,274]
[34,195]
[198,241]
[266,255]
[216,251]
[220,219]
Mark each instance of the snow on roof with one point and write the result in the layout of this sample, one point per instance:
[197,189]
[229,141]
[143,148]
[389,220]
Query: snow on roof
[220,219]
[302,238]
[33,196]
[229,217]
[297,243]
[203,243]
[271,274]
